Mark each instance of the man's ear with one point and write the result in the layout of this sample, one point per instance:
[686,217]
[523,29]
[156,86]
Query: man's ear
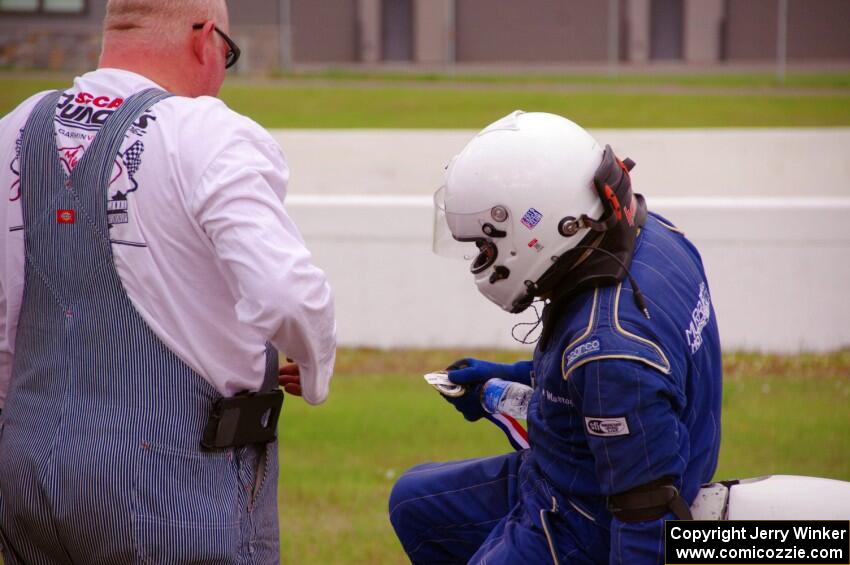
[199,41]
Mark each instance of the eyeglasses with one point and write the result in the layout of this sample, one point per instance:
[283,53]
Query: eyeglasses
[233,52]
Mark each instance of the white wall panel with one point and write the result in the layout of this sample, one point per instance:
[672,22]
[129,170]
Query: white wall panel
[679,162]
[778,269]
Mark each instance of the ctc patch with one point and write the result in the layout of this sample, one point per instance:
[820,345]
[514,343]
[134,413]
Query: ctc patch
[607,427]
[66,216]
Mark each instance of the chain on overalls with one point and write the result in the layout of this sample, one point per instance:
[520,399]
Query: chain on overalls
[99,442]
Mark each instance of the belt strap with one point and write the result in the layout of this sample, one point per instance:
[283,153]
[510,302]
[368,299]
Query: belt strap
[649,502]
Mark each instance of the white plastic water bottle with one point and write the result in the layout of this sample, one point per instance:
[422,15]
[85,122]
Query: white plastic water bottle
[506,397]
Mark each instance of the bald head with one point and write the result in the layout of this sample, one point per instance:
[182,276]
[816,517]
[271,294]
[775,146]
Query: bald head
[156,39]
[161,20]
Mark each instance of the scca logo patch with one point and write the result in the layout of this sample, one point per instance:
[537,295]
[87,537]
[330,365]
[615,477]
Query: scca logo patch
[607,427]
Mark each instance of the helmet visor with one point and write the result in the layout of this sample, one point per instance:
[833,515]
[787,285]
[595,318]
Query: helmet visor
[444,243]
[471,236]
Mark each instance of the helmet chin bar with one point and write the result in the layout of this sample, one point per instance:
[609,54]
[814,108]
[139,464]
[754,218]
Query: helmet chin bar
[523,302]
[500,273]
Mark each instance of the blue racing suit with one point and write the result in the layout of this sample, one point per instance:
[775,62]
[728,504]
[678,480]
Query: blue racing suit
[619,401]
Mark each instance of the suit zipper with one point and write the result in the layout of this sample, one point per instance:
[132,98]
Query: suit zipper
[546,531]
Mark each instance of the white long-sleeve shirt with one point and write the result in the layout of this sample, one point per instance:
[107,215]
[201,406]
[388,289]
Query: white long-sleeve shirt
[202,243]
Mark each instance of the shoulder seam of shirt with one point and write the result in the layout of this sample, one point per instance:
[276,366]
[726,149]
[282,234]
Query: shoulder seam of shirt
[268,143]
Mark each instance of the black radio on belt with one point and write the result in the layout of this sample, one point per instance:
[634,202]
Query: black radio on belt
[244,419]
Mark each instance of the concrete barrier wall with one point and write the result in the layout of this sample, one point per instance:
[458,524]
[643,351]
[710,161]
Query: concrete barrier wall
[670,163]
[779,271]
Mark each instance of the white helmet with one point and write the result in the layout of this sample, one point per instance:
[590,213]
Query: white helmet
[510,191]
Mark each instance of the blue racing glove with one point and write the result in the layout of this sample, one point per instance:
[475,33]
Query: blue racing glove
[473,373]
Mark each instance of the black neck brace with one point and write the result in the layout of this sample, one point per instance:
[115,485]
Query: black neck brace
[616,231]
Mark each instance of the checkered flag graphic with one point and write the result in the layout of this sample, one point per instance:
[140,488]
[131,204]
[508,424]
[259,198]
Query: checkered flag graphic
[133,158]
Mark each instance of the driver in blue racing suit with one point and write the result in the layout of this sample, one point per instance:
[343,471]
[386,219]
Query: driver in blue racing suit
[624,421]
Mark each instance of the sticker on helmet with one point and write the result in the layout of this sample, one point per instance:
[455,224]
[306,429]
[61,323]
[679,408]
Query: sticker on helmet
[531,218]
[536,245]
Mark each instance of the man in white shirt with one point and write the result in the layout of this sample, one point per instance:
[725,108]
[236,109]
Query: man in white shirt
[145,275]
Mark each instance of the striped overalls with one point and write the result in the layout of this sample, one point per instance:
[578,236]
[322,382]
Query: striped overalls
[100,458]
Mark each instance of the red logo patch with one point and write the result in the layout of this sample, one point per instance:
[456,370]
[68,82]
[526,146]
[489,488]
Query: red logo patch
[65,216]
[630,212]
[615,202]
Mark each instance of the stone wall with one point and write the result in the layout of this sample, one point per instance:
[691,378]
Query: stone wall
[49,47]
[77,48]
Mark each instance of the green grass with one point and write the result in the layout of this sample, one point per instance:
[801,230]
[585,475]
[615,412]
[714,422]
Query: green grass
[408,107]
[785,415]
[339,460]
[340,104]
[733,80]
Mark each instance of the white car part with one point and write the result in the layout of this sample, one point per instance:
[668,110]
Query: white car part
[774,497]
